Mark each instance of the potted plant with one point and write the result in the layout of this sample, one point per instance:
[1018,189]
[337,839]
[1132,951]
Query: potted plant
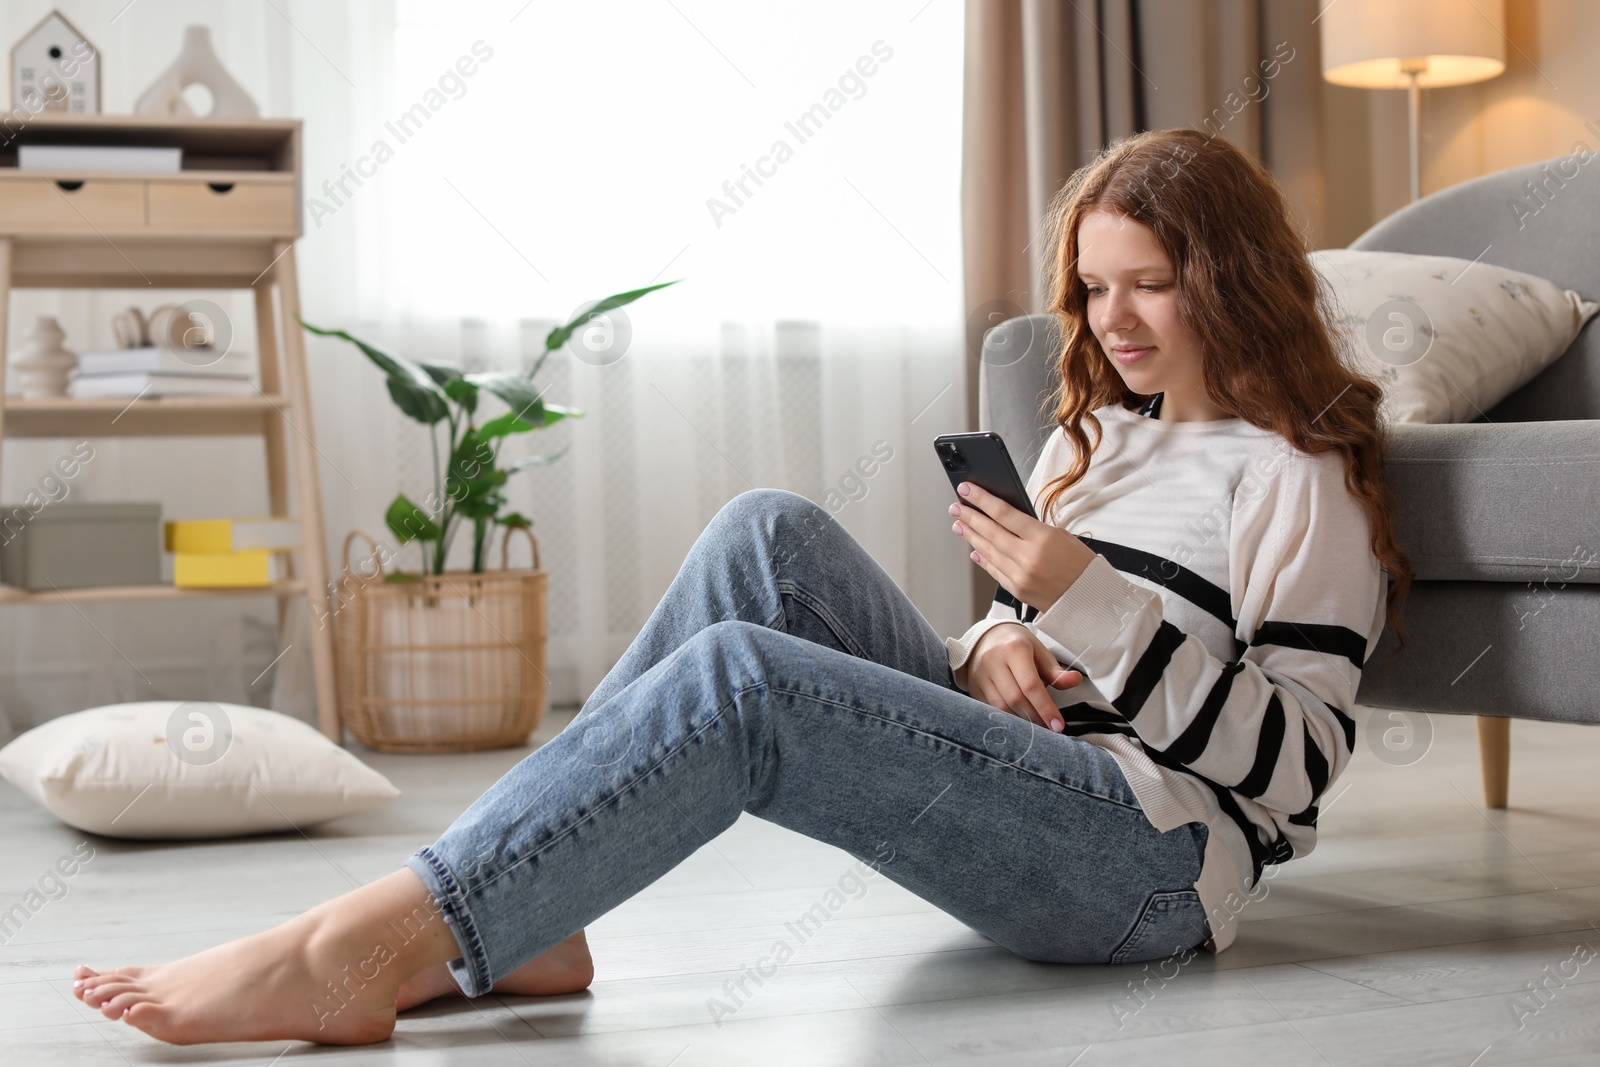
[443,660]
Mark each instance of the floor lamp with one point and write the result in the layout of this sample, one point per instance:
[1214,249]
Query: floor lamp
[1412,45]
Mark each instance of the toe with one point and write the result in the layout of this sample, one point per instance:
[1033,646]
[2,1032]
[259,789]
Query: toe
[116,1007]
[122,1003]
[85,989]
[82,975]
[88,977]
[96,996]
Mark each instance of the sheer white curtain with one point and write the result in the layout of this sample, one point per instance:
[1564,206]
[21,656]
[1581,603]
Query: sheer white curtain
[474,172]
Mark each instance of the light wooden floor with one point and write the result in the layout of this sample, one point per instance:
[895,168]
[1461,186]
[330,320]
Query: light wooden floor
[1406,938]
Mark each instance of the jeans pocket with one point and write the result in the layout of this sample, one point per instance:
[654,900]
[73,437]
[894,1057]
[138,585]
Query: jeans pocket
[1170,923]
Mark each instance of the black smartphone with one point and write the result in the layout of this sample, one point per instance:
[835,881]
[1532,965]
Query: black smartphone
[981,458]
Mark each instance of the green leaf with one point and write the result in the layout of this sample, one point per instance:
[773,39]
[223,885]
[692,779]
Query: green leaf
[481,507]
[409,522]
[402,576]
[561,334]
[472,457]
[534,461]
[459,487]
[521,395]
[554,412]
[515,520]
[510,423]
[454,383]
[415,402]
[462,392]
[442,373]
[506,424]
[472,481]
[413,389]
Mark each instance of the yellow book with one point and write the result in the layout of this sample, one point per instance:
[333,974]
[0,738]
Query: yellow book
[226,570]
[232,535]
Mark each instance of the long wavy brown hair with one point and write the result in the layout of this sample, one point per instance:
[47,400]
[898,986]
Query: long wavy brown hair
[1248,293]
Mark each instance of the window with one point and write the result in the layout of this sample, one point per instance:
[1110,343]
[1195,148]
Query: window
[800,161]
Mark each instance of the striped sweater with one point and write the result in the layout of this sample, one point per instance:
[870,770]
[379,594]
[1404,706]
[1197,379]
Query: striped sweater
[1221,630]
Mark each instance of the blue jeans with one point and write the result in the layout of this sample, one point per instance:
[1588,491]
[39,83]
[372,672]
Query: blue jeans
[785,674]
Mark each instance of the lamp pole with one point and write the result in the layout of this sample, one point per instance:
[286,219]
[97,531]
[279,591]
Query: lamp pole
[1411,68]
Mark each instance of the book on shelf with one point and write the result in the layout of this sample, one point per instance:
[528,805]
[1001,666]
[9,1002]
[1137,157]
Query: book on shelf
[228,570]
[150,359]
[156,383]
[98,157]
[232,535]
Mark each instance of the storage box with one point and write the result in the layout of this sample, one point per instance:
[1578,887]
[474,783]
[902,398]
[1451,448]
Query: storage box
[75,546]
[226,570]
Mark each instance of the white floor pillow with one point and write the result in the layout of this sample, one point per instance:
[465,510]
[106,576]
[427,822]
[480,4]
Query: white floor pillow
[170,769]
[1447,338]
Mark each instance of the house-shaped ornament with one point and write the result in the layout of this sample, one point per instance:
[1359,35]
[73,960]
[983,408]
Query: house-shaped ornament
[55,68]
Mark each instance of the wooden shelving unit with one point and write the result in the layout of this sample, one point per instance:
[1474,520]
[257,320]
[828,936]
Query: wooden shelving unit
[11,595]
[228,220]
[175,416]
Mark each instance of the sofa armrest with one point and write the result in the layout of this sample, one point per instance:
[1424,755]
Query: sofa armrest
[1498,502]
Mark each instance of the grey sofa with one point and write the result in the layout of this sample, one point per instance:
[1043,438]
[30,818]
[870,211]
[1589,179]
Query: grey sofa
[1500,516]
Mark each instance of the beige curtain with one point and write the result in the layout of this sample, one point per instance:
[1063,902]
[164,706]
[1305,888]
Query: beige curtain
[1051,82]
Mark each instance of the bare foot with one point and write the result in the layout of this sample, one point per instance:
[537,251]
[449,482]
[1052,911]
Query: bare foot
[563,968]
[332,975]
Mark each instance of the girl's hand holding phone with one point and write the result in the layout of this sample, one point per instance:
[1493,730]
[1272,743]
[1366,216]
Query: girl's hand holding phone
[1008,669]
[1035,561]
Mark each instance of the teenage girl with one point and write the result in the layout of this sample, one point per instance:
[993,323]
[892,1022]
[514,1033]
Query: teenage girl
[1099,775]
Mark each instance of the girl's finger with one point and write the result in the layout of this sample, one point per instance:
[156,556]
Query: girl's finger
[994,509]
[1051,672]
[985,565]
[1018,704]
[991,527]
[972,538]
[1042,708]
[971,516]
[1000,563]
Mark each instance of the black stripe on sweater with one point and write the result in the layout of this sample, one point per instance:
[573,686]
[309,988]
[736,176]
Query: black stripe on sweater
[1347,724]
[1197,735]
[1269,745]
[1083,711]
[1316,769]
[1315,637]
[1259,852]
[1279,851]
[1158,570]
[1078,729]
[1282,851]
[1146,674]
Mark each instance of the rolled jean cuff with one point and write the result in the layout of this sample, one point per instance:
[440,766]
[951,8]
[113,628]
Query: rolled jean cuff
[471,971]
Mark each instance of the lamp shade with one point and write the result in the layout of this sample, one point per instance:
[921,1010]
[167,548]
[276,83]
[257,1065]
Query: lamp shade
[1371,44]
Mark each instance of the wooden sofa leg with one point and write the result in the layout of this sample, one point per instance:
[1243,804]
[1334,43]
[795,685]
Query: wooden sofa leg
[1494,753]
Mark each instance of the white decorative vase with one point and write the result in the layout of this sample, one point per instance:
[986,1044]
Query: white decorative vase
[42,365]
[197,64]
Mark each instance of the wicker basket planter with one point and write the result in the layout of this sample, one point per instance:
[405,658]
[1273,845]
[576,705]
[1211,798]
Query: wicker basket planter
[447,663]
